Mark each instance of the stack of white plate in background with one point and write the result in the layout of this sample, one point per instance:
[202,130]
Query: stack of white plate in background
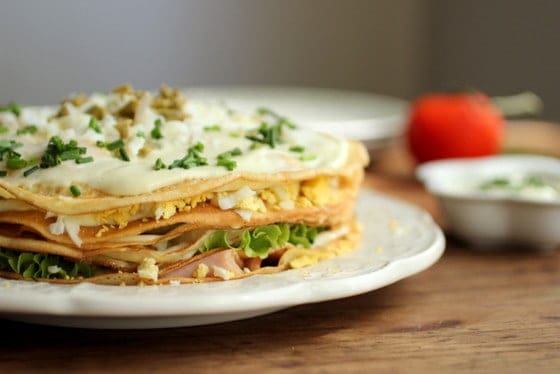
[370,118]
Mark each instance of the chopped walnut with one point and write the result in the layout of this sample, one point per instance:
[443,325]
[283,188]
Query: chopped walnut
[76,100]
[172,114]
[144,151]
[128,110]
[123,89]
[97,112]
[62,111]
[123,127]
[170,103]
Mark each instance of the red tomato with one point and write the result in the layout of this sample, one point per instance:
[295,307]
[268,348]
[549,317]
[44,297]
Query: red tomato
[453,126]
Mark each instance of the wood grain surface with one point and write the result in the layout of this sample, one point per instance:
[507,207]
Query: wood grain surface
[474,311]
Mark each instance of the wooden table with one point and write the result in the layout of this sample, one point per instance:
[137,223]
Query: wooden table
[474,310]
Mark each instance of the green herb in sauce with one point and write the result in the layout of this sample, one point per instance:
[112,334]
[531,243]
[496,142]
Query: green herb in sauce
[31,170]
[224,159]
[215,128]
[156,131]
[297,149]
[94,125]
[159,164]
[115,145]
[29,129]
[13,158]
[75,190]
[307,157]
[192,159]
[528,185]
[57,151]
[15,162]
[123,154]
[11,107]
[269,133]
[84,160]
[7,148]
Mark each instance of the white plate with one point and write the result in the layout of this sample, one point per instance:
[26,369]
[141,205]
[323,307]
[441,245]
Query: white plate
[399,240]
[373,119]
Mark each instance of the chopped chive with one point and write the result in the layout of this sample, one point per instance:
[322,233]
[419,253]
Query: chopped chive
[307,157]
[11,107]
[198,147]
[278,118]
[117,146]
[71,154]
[94,125]
[75,191]
[123,154]
[3,173]
[227,163]
[235,134]
[4,143]
[234,152]
[15,163]
[159,164]
[271,129]
[297,149]
[3,129]
[100,144]
[156,131]
[57,151]
[33,161]
[7,149]
[140,134]
[192,159]
[29,129]
[31,170]
[84,160]
[215,127]
[224,159]
[114,145]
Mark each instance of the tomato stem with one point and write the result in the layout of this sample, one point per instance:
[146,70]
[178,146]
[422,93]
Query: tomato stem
[525,104]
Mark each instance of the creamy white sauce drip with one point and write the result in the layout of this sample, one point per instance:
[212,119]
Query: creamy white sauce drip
[528,186]
[116,177]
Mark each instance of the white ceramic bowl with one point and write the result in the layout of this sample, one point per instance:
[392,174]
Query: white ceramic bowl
[492,218]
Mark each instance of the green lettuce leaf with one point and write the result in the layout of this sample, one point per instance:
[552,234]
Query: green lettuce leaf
[36,265]
[303,235]
[217,239]
[260,241]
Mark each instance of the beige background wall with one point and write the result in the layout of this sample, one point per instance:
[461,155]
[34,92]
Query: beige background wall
[395,47]
[500,46]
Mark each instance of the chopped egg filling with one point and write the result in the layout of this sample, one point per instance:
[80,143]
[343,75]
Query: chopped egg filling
[119,216]
[220,272]
[245,202]
[68,225]
[148,269]
[201,271]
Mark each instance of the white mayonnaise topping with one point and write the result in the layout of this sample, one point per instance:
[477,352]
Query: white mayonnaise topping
[112,175]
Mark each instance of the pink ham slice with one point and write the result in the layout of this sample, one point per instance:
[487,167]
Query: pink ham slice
[226,259]
[253,263]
